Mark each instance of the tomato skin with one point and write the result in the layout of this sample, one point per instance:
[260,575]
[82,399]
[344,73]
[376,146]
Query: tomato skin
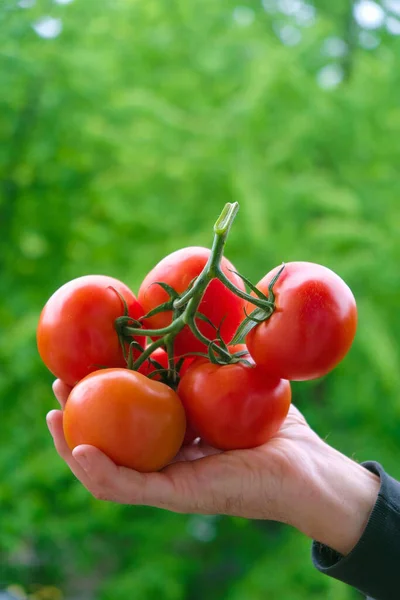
[137,422]
[219,304]
[190,435]
[313,326]
[76,333]
[186,364]
[233,406]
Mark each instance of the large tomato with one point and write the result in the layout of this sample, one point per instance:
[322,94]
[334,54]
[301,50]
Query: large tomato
[233,406]
[137,422]
[219,305]
[76,333]
[313,326]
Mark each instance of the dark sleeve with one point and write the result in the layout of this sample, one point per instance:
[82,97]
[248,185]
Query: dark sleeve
[373,566]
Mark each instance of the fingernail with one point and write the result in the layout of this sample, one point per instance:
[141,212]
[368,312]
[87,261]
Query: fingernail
[82,460]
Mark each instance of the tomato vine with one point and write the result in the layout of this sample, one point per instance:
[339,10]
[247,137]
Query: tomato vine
[185,309]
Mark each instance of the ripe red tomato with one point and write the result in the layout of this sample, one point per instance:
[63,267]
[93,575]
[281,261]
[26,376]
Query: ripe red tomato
[313,326]
[219,304]
[76,333]
[233,406]
[186,364]
[137,422]
[161,357]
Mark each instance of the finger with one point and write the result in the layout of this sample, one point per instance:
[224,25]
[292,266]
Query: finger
[207,449]
[119,484]
[55,424]
[61,391]
[176,488]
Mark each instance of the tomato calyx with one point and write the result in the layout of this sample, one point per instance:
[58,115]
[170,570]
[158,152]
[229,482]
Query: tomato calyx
[258,315]
[228,359]
[168,305]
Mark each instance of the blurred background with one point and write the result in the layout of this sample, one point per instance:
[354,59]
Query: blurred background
[125,126]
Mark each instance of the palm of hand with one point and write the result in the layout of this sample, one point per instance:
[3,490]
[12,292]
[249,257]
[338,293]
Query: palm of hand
[249,483]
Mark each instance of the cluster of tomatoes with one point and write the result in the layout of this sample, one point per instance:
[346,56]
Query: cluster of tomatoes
[141,418]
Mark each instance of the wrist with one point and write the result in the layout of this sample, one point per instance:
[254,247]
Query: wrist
[336,499]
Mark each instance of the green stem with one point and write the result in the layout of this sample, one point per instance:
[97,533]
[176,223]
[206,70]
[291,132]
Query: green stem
[169,344]
[193,326]
[266,304]
[146,353]
[191,300]
[226,218]
[173,328]
[221,231]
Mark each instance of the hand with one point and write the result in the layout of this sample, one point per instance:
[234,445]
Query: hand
[294,478]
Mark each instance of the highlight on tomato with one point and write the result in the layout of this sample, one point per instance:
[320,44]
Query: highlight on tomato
[76,333]
[233,406]
[219,305]
[313,325]
[137,422]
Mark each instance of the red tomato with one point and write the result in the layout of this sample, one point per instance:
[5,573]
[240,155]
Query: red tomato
[76,333]
[233,406]
[137,422]
[186,364]
[313,326]
[161,357]
[219,304]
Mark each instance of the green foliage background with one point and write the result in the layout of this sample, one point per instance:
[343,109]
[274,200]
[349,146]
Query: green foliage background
[121,140]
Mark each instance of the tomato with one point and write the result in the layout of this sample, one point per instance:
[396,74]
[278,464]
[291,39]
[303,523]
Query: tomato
[233,406]
[76,333]
[139,423]
[221,306]
[161,357]
[313,326]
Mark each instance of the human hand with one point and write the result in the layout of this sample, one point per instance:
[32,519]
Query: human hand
[294,478]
